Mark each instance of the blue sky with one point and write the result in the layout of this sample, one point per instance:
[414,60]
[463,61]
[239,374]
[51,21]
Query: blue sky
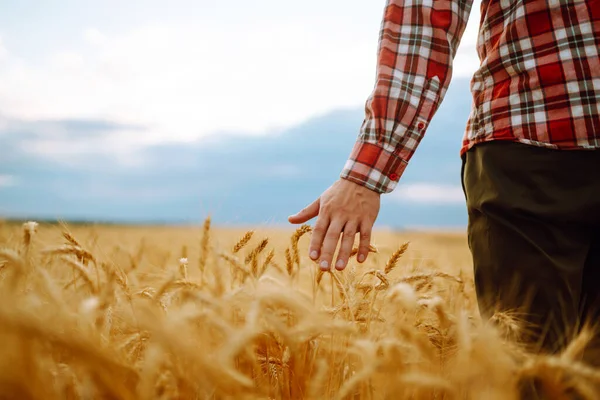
[183,72]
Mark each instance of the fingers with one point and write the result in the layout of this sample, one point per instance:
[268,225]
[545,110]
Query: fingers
[365,241]
[305,214]
[318,236]
[330,243]
[326,235]
[346,246]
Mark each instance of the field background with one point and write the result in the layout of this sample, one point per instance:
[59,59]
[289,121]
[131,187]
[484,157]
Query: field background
[220,313]
[446,251]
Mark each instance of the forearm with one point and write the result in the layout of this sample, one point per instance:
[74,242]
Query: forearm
[417,44]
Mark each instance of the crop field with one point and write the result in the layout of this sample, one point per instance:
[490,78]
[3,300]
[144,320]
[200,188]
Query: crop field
[208,312]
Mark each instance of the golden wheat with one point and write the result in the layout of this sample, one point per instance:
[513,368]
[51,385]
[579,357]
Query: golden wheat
[134,321]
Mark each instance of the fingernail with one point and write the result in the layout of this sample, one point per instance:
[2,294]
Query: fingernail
[361,257]
[314,254]
[324,265]
[340,264]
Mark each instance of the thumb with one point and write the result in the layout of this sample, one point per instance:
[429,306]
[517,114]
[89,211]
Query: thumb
[306,213]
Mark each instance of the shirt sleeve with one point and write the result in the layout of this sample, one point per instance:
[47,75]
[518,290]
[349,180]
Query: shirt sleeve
[417,44]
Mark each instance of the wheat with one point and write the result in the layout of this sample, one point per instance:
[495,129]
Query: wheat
[137,324]
[391,264]
[204,245]
[268,260]
[243,241]
[252,257]
[68,249]
[183,263]
[83,272]
[70,238]
[9,256]
[295,239]
[289,262]
[372,249]
[29,229]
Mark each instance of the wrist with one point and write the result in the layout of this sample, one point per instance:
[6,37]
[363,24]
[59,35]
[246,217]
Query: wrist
[358,185]
[374,166]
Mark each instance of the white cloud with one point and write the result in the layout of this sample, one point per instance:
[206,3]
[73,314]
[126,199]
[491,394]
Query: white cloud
[7,180]
[187,80]
[94,36]
[119,145]
[59,142]
[3,52]
[428,194]
[67,61]
[466,60]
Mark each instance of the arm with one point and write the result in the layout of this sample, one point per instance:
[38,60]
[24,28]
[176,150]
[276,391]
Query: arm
[417,44]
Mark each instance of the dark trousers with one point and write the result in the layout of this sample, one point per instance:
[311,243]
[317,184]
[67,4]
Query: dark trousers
[534,233]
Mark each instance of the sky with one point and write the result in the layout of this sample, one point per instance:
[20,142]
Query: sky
[185,71]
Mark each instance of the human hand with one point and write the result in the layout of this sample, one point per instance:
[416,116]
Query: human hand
[347,208]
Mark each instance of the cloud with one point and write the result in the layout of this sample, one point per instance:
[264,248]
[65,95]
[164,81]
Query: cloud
[72,141]
[187,79]
[466,60]
[3,52]
[68,61]
[74,169]
[187,82]
[94,37]
[7,180]
[426,193]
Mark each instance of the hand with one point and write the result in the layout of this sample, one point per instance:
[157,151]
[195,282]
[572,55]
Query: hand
[347,208]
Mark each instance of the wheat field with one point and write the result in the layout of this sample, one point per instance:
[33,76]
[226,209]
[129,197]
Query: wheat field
[113,312]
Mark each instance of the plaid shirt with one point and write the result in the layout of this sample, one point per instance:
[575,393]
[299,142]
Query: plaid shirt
[538,81]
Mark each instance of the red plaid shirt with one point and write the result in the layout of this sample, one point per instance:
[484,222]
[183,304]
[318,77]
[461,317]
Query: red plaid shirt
[538,81]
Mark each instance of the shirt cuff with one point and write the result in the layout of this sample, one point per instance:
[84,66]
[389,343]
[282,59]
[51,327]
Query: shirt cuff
[373,166]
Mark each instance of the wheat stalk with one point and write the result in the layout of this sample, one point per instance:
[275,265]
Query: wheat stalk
[204,245]
[268,260]
[393,261]
[83,272]
[242,242]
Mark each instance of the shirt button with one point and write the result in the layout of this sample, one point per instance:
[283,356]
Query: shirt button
[421,126]
[394,177]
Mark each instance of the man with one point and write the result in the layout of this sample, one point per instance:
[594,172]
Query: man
[531,151]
